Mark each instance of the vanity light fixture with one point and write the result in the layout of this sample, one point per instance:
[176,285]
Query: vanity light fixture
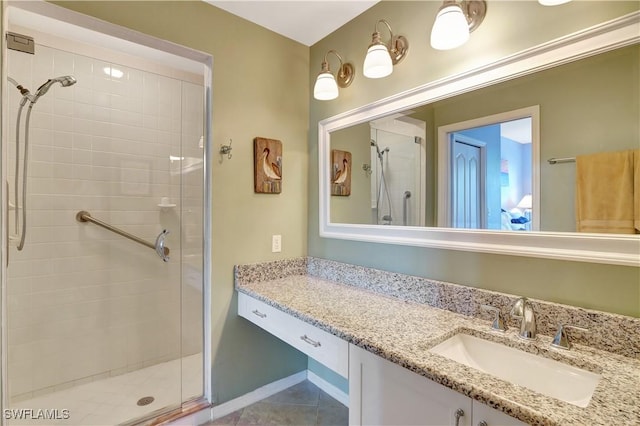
[455,21]
[326,87]
[381,57]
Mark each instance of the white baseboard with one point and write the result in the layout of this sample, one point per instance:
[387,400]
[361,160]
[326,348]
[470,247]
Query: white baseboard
[327,387]
[257,395]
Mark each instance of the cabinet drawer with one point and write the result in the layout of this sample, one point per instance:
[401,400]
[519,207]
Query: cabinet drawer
[324,347]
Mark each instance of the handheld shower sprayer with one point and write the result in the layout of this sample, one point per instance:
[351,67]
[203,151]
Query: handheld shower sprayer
[65,81]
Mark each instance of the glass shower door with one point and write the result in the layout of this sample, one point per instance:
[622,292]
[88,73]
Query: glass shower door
[100,329]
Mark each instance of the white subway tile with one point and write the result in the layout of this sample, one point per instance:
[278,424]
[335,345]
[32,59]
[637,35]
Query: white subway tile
[63,139]
[82,65]
[62,155]
[101,98]
[63,123]
[41,120]
[101,114]
[83,93]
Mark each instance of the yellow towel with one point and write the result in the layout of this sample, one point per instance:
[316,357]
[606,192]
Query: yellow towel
[605,192]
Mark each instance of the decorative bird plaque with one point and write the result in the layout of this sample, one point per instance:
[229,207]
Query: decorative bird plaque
[340,172]
[267,155]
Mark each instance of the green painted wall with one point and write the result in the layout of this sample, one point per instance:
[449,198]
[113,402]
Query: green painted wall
[509,27]
[249,81]
[356,208]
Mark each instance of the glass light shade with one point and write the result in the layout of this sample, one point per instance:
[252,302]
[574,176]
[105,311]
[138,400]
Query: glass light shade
[326,87]
[377,63]
[450,29]
[552,2]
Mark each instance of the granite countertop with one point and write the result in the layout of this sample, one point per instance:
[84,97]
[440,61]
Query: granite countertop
[402,332]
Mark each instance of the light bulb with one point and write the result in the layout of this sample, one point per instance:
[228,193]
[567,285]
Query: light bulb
[326,87]
[377,63]
[450,29]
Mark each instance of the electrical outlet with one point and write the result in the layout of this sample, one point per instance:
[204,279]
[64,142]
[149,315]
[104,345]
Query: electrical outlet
[276,243]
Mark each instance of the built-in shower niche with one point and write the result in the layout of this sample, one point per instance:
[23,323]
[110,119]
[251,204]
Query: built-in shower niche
[93,315]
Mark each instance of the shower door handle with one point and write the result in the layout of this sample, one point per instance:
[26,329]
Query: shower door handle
[162,251]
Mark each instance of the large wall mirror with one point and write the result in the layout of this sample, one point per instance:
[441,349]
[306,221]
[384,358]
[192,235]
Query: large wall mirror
[486,160]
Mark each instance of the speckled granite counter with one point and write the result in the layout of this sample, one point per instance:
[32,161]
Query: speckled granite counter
[402,331]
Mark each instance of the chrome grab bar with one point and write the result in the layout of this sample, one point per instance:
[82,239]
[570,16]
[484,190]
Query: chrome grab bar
[159,247]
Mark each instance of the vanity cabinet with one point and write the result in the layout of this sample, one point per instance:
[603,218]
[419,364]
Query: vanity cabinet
[324,347]
[384,393]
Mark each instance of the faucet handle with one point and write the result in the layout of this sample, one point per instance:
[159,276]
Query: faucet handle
[498,324]
[517,311]
[561,339]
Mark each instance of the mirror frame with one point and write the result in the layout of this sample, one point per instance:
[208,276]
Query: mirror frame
[597,248]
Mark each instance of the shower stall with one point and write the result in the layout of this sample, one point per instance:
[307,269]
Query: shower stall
[398,171]
[105,208]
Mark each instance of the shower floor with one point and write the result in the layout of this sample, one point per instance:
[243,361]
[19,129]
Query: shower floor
[114,400]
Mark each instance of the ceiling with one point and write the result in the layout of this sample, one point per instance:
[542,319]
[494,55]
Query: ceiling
[305,21]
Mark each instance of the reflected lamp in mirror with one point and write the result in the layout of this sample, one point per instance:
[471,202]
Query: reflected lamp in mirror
[455,21]
[526,204]
[326,87]
[381,57]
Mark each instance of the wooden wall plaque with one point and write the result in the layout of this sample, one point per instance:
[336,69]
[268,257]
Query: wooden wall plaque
[267,176]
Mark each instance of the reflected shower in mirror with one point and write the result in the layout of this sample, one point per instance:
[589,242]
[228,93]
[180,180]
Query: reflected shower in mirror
[585,107]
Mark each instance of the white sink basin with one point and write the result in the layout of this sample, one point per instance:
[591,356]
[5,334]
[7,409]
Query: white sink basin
[552,378]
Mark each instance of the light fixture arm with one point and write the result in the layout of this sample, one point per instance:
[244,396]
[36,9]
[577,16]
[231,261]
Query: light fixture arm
[398,45]
[474,11]
[376,33]
[345,73]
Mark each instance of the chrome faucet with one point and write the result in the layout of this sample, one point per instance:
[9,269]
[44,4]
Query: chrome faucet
[523,310]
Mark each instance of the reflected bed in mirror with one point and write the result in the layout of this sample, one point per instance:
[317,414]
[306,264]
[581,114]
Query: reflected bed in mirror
[440,156]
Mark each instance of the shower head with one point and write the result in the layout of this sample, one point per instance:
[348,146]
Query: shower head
[380,153]
[65,81]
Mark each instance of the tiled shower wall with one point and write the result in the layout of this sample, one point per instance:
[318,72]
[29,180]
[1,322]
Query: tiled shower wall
[84,303]
[402,173]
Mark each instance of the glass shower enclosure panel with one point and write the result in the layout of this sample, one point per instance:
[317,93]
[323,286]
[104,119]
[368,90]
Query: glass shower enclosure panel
[100,328]
[397,179]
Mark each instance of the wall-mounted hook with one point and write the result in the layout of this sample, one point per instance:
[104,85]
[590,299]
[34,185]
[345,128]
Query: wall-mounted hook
[367,169]
[226,149]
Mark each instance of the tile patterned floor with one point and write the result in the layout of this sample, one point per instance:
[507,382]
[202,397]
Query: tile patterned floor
[301,404]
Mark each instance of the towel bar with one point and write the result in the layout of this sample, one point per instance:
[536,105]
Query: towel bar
[561,160]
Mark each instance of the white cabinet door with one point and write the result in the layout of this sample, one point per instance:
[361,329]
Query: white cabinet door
[383,393]
[492,417]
